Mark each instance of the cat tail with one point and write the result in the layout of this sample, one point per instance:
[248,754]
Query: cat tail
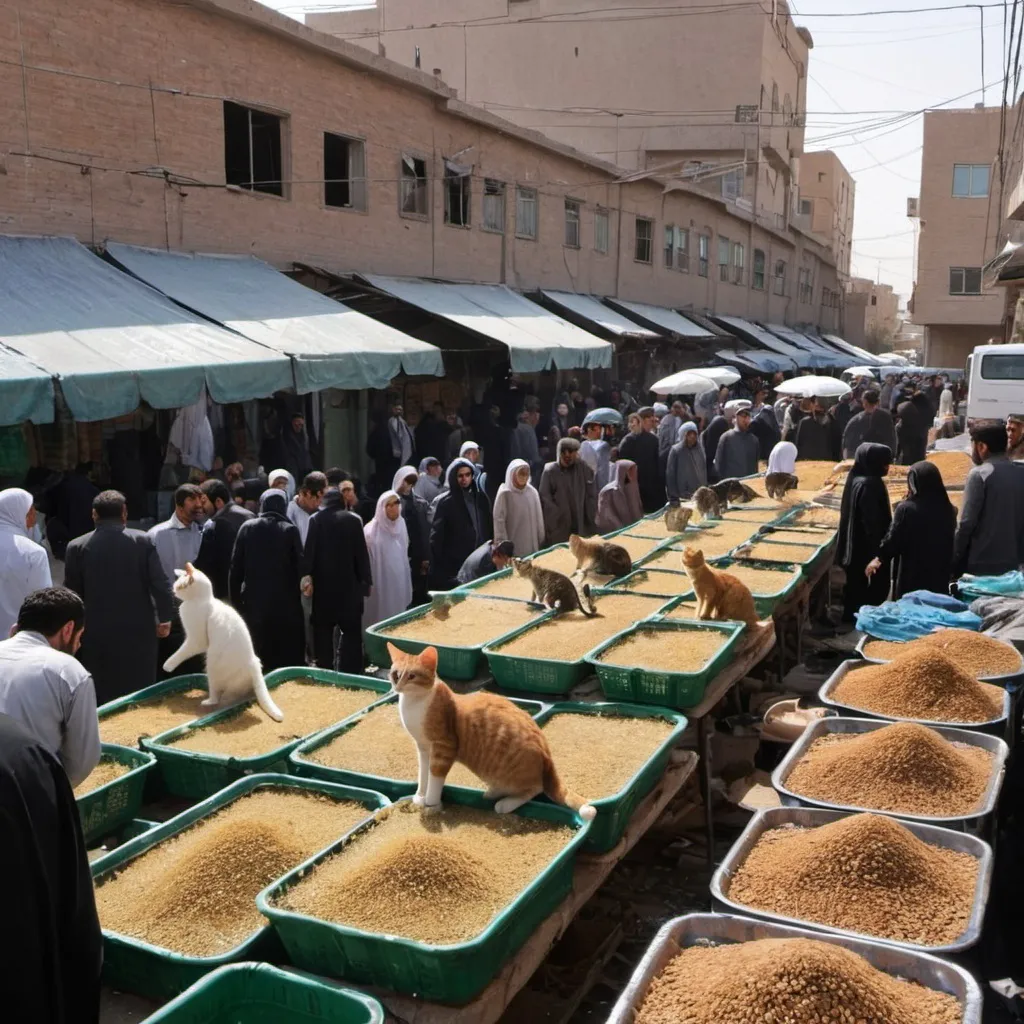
[262,694]
[587,605]
[556,791]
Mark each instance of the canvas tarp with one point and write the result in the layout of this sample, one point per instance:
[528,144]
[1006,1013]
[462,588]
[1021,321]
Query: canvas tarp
[26,392]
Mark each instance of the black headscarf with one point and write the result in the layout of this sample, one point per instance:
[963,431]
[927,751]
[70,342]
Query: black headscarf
[924,482]
[274,502]
[865,495]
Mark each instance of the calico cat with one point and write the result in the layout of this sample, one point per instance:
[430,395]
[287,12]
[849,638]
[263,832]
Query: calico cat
[719,594]
[707,503]
[776,484]
[733,490]
[553,590]
[677,517]
[493,738]
[213,628]
[597,557]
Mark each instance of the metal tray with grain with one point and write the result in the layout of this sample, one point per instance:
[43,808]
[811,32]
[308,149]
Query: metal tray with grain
[995,725]
[806,817]
[999,680]
[724,929]
[974,822]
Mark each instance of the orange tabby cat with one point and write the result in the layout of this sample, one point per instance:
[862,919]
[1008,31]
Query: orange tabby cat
[719,594]
[493,738]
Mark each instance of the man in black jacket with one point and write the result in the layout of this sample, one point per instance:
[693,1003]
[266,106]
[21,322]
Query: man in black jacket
[416,513]
[336,572]
[462,522]
[640,445]
[873,424]
[218,541]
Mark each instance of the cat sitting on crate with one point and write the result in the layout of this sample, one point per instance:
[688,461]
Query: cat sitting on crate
[494,739]
[677,518]
[598,557]
[720,595]
[554,590]
[213,628]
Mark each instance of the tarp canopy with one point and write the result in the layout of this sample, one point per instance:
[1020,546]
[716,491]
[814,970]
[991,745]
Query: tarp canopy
[113,341]
[665,319]
[26,392]
[596,312]
[332,345]
[752,359]
[536,338]
[856,351]
[823,356]
[756,335]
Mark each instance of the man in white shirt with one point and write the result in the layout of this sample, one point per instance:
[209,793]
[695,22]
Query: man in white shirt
[178,539]
[45,687]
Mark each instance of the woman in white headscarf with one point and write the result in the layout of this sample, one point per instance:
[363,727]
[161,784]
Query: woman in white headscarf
[782,459]
[945,421]
[518,516]
[387,540]
[275,478]
[24,565]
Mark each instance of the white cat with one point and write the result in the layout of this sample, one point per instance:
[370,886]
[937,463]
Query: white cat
[213,628]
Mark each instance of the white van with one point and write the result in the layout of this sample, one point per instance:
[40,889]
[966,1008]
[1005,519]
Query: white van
[995,382]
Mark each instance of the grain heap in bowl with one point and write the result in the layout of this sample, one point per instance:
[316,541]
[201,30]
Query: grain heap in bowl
[774,551]
[906,768]
[666,650]
[307,706]
[195,893]
[864,873]
[570,636]
[817,515]
[106,771]
[152,717]
[759,580]
[976,654]
[638,546]
[658,582]
[923,684]
[438,879]
[468,623]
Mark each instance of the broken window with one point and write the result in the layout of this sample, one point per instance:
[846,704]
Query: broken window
[494,206]
[414,186]
[344,172]
[252,149]
[457,180]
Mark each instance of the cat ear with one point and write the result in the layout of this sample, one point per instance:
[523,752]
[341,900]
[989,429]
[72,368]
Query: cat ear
[397,654]
[428,658]
[189,568]
[179,573]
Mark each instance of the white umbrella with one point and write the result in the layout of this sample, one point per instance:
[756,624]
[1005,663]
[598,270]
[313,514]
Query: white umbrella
[859,371]
[695,381]
[810,386]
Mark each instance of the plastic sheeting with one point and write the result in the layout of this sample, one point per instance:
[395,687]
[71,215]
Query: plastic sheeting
[755,335]
[914,615]
[824,357]
[332,345]
[26,392]
[595,311]
[864,357]
[536,338]
[762,362]
[667,319]
[112,341]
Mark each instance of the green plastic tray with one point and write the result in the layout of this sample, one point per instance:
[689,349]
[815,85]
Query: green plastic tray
[194,776]
[540,675]
[820,550]
[264,994]
[107,808]
[452,974]
[461,663]
[669,689]
[472,588]
[394,789]
[765,603]
[676,584]
[132,965]
[614,812]
[179,684]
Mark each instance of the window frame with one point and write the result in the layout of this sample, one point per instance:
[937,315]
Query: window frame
[704,256]
[737,176]
[682,250]
[573,208]
[649,224]
[779,273]
[805,286]
[724,265]
[755,273]
[357,183]
[739,264]
[602,225]
[963,271]
[283,120]
[419,186]
[972,169]
[498,191]
[528,194]
[465,200]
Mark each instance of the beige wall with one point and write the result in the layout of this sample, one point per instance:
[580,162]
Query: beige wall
[871,314]
[111,157]
[828,185]
[951,344]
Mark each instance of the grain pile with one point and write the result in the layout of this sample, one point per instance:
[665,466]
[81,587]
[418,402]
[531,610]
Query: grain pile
[667,650]
[865,873]
[954,466]
[308,707]
[815,537]
[659,581]
[106,771]
[466,623]
[978,655]
[787,981]
[798,554]
[568,637]
[625,744]
[760,516]
[439,879]
[509,584]
[763,581]
[152,717]
[905,767]
[684,610]
[637,546]
[719,539]
[561,559]
[817,515]
[922,684]
[195,893]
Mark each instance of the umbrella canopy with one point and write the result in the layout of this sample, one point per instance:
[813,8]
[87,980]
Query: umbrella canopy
[606,417]
[810,386]
[695,381]
[859,371]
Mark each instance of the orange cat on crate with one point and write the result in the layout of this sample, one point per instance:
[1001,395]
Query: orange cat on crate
[720,595]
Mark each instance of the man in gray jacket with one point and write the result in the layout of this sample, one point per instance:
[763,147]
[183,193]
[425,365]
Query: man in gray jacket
[990,536]
[737,450]
[568,495]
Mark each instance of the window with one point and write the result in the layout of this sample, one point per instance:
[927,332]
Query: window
[732,183]
[1000,367]
[970,180]
[780,277]
[494,206]
[724,252]
[644,240]
[601,230]
[526,212]
[775,97]
[874,300]
[759,265]
[344,172]
[572,223]
[457,181]
[965,280]
[738,263]
[413,193]
[252,149]
[677,248]
[703,255]
[670,246]
[805,286]
[806,207]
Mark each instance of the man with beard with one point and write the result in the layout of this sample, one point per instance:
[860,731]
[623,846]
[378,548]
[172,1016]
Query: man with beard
[641,446]
[567,494]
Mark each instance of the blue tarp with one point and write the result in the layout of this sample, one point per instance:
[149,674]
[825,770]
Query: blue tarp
[1010,584]
[26,392]
[914,615]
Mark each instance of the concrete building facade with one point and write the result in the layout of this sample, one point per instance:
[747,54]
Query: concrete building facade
[960,217]
[827,199]
[871,315]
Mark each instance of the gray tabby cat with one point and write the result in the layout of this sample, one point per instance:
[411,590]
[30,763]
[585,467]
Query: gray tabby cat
[707,503]
[776,484]
[553,590]
[677,517]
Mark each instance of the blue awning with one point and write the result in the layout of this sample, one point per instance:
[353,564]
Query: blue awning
[753,359]
[756,335]
[823,357]
[26,392]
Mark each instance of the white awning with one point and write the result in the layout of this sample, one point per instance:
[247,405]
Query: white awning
[332,346]
[667,319]
[536,338]
[594,310]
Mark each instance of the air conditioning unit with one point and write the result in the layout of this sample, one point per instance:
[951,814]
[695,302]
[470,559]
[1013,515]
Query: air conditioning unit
[913,207]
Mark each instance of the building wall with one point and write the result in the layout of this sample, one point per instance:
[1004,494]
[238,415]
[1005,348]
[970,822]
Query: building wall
[830,188]
[122,138]
[872,319]
[951,344]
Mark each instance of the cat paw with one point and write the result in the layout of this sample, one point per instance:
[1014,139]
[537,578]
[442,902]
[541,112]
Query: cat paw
[419,801]
[168,667]
[429,809]
[208,703]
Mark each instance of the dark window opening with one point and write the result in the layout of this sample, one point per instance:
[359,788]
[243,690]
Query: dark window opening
[456,195]
[344,172]
[252,149]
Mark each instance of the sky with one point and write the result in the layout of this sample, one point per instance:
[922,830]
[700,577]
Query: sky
[864,72]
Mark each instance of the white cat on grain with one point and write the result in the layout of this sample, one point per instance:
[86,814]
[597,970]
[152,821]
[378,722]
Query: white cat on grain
[213,628]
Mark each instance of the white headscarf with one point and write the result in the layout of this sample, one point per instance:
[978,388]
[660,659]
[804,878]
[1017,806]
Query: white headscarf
[24,566]
[468,446]
[400,476]
[782,458]
[388,544]
[14,507]
[518,516]
[290,489]
[945,403]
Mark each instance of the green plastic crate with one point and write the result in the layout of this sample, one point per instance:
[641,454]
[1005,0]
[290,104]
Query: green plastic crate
[472,588]
[394,789]
[820,550]
[764,602]
[614,812]
[669,689]
[194,776]
[452,974]
[132,965]
[179,684]
[456,663]
[106,809]
[676,584]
